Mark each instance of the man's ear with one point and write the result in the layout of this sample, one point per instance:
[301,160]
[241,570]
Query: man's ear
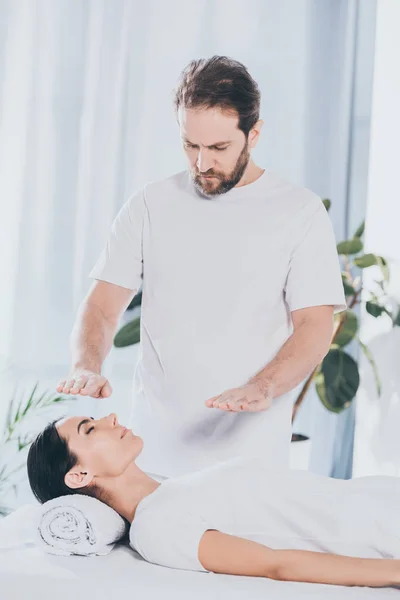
[76,478]
[254,134]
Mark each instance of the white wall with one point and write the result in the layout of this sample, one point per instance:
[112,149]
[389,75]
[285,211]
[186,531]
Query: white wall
[377,440]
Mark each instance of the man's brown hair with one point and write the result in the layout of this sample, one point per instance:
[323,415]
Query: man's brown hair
[220,82]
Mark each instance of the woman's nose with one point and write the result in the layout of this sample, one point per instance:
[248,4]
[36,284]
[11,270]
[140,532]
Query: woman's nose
[113,418]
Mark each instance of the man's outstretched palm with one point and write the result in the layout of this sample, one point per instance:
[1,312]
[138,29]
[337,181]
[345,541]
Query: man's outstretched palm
[85,383]
[251,397]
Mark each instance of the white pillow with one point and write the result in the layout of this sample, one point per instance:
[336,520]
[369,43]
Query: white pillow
[78,524]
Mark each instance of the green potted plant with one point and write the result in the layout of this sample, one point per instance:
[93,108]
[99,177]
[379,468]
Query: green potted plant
[337,377]
[14,441]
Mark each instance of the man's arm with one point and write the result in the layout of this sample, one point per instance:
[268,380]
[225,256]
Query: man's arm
[223,553]
[92,337]
[96,322]
[302,351]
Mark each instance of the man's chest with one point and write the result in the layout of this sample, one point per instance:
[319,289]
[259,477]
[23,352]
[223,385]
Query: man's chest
[218,248]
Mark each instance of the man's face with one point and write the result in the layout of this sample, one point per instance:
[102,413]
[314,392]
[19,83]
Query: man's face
[100,445]
[217,151]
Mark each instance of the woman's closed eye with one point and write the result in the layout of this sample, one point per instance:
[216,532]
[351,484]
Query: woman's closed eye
[89,430]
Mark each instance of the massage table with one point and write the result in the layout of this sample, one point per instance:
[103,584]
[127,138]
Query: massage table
[29,573]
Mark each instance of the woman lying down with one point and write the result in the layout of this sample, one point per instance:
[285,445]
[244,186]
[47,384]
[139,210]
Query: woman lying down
[236,517]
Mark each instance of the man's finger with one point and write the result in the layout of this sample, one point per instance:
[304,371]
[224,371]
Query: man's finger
[211,401]
[106,390]
[91,386]
[79,384]
[230,397]
[220,400]
[68,385]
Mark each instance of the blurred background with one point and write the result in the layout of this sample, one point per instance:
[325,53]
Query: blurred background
[86,118]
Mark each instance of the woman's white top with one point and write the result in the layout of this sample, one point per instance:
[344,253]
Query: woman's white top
[282,509]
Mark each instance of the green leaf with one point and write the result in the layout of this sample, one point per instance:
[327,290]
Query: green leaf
[348,288]
[341,378]
[374,309]
[360,230]
[396,322]
[366,260]
[128,335]
[18,413]
[381,284]
[9,419]
[382,262]
[31,400]
[353,246]
[327,203]
[348,329]
[371,359]
[32,404]
[136,301]
[2,471]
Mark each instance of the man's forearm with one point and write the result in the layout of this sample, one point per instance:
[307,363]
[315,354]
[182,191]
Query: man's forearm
[91,338]
[317,567]
[300,354]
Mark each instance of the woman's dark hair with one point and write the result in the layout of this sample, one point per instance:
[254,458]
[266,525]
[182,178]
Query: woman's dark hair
[223,82]
[49,460]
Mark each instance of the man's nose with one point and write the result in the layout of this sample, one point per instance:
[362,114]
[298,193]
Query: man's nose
[204,162]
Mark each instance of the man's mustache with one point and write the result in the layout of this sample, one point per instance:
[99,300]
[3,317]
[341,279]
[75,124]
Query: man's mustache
[207,175]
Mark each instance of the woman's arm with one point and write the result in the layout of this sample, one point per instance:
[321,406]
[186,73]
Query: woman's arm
[223,553]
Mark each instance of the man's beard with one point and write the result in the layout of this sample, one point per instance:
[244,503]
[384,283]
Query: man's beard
[224,182]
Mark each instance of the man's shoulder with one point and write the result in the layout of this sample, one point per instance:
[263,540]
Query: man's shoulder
[173,183]
[296,196]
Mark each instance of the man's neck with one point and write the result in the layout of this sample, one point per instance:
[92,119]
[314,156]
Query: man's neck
[251,174]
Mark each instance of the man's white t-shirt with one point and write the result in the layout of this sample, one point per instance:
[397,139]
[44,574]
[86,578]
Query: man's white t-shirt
[282,509]
[220,277]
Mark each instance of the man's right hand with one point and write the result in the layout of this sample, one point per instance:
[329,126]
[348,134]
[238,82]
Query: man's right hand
[85,383]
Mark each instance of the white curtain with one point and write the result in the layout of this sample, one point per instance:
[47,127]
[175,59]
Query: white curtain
[86,117]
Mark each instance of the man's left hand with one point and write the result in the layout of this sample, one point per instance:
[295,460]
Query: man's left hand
[252,397]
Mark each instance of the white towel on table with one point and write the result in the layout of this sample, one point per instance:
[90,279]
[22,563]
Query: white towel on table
[78,524]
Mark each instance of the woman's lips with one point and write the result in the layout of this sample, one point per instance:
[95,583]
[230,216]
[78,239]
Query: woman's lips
[125,430]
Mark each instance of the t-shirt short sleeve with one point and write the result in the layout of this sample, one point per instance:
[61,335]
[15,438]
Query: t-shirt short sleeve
[170,541]
[121,259]
[314,276]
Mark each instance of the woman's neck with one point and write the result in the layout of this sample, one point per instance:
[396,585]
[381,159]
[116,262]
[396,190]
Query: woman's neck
[124,493]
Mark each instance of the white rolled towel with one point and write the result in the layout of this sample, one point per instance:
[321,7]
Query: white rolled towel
[78,524]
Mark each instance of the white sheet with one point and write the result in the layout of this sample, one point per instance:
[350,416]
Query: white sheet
[30,573]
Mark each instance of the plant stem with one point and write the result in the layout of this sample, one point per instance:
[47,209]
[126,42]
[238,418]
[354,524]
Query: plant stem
[339,325]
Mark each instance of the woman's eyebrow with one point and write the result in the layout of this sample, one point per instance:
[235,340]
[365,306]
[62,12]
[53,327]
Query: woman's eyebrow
[83,423]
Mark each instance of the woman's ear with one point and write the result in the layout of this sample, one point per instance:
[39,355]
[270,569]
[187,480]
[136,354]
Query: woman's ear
[75,478]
